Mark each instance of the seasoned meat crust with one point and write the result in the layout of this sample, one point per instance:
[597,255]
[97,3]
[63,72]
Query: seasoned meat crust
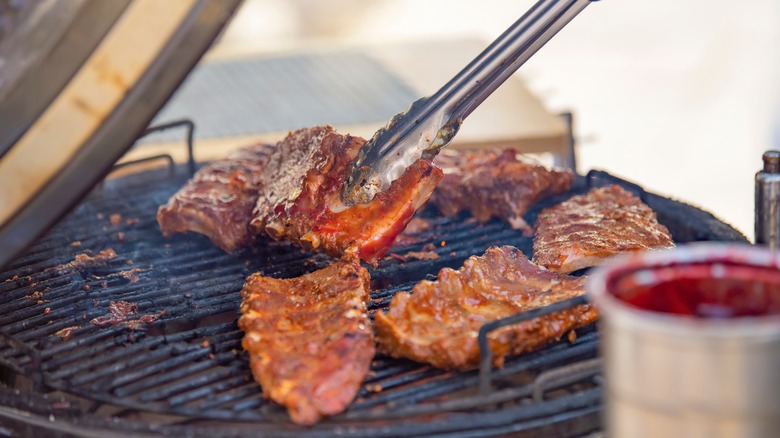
[309,338]
[217,202]
[585,230]
[495,183]
[300,197]
[439,321]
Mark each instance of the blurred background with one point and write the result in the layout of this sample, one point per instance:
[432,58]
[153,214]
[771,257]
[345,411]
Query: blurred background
[680,97]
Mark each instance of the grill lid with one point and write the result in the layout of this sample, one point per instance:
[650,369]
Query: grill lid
[81,80]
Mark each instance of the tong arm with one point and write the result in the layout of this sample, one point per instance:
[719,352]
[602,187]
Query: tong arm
[430,123]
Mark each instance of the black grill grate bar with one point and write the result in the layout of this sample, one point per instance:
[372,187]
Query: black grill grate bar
[391,291]
[219,304]
[415,270]
[384,370]
[86,238]
[218,385]
[466,230]
[106,375]
[15,356]
[416,376]
[199,261]
[96,354]
[158,373]
[414,393]
[146,374]
[232,277]
[25,324]
[457,404]
[191,381]
[229,271]
[230,342]
[36,263]
[249,389]
[73,313]
[289,266]
[204,288]
[22,308]
[12,294]
[49,331]
[378,303]
[174,306]
[92,342]
[49,268]
[27,319]
[470,241]
[443,229]
[29,283]
[127,357]
[182,271]
[251,403]
[175,256]
[528,417]
[544,425]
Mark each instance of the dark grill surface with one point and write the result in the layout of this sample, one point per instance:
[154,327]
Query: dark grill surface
[190,365]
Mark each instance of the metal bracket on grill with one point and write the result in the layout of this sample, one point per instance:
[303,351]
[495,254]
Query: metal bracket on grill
[486,354]
[37,375]
[188,124]
[166,157]
[565,375]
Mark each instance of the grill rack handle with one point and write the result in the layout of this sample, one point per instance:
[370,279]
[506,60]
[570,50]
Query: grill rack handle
[486,354]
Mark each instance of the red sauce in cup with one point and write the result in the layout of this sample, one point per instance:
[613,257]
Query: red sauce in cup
[704,290]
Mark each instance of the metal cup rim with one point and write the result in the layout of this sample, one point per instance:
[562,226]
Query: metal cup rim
[612,308]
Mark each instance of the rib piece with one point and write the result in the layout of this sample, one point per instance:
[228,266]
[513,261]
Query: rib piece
[586,229]
[438,322]
[217,202]
[495,183]
[300,199]
[309,338]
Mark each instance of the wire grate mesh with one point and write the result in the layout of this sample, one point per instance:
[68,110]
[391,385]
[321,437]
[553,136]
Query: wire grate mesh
[189,362]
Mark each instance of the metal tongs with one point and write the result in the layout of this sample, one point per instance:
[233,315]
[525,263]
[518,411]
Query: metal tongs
[430,123]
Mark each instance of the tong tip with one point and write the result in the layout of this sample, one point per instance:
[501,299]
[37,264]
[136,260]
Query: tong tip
[360,188]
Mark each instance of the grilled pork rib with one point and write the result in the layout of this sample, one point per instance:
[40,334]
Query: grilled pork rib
[309,338]
[438,322]
[217,202]
[300,197]
[585,230]
[495,183]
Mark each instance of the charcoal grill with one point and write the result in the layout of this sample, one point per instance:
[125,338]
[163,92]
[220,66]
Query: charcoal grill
[186,374]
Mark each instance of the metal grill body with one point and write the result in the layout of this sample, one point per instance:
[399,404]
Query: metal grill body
[189,367]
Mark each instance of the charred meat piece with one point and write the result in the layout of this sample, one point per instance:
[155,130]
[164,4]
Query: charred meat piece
[586,229]
[300,197]
[119,312]
[217,202]
[495,183]
[438,322]
[309,338]
[84,261]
